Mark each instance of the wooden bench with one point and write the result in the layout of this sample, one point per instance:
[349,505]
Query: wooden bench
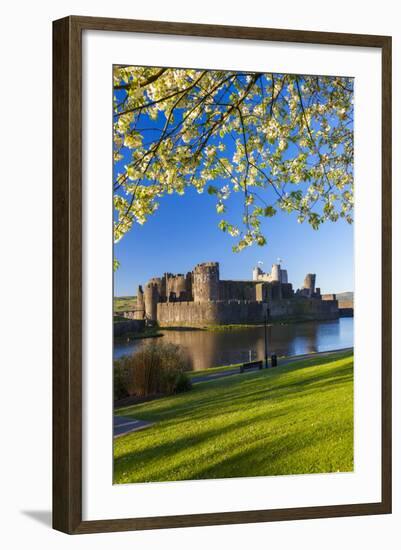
[251,365]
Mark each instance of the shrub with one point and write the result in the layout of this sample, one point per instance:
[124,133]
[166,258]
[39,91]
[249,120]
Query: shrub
[157,368]
[119,318]
[122,374]
[182,383]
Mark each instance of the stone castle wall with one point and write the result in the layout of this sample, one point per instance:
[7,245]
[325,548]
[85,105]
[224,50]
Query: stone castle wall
[237,290]
[195,314]
[304,309]
[200,298]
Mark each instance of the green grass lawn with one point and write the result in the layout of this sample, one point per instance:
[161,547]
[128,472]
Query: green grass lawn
[213,370]
[295,419]
[124,303]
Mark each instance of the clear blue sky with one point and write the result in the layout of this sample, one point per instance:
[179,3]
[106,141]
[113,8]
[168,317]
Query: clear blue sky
[184,232]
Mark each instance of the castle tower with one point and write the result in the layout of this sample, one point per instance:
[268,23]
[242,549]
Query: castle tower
[169,284]
[256,273]
[180,287]
[275,275]
[206,282]
[188,285]
[139,312]
[151,299]
[309,283]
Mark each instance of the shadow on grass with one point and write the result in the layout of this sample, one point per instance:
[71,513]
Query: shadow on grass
[171,447]
[257,461]
[230,449]
[266,454]
[201,401]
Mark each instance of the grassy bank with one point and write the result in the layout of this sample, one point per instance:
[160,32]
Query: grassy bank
[239,326]
[213,370]
[294,419]
[214,328]
[124,303]
[147,333]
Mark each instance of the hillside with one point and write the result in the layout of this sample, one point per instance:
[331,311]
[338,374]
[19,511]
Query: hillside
[345,299]
[345,296]
[124,303]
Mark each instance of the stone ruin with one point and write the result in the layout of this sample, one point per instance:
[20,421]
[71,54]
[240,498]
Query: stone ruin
[201,298]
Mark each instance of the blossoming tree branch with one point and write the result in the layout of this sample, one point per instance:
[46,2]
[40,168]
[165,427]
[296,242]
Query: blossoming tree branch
[280,141]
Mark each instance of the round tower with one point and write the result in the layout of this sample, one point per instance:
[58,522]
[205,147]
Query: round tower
[256,273]
[206,282]
[151,299]
[309,283]
[275,273]
[180,287]
[139,312]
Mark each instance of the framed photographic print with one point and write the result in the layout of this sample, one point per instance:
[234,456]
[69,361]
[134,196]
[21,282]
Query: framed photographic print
[222,275]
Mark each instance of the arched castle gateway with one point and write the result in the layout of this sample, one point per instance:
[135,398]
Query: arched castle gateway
[200,298]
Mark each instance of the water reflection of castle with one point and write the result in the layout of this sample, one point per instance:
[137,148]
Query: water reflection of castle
[201,298]
[216,348]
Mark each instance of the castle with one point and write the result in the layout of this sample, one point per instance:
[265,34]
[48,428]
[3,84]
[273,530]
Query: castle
[201,298]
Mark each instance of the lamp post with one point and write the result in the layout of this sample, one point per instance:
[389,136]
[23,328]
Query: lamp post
[266,349]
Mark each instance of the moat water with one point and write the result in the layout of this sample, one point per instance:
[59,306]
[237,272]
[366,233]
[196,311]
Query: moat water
[212,349]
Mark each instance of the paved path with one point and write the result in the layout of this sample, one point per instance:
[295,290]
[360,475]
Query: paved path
[125,424]
[281,362]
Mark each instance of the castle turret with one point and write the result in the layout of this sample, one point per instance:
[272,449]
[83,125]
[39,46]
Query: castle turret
[309,284]
[139,311]
[275,273]
[256,273]
[151,299]
[177,287]
[206,282]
